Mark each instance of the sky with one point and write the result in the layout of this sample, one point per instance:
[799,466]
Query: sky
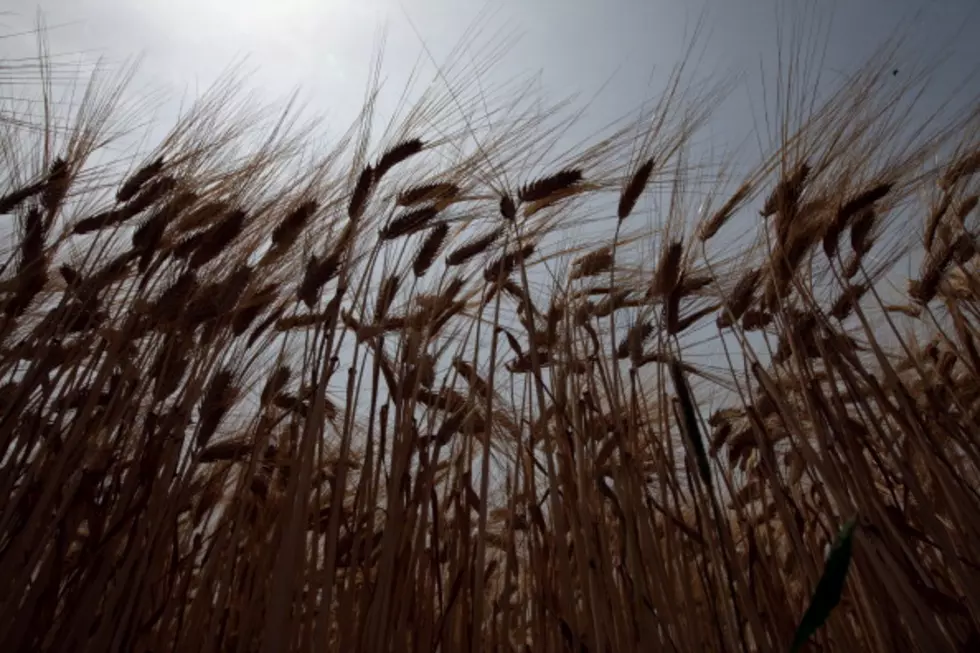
[613,55]
[325,47]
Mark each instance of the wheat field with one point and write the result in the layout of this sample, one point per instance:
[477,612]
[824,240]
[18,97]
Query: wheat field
[442,387]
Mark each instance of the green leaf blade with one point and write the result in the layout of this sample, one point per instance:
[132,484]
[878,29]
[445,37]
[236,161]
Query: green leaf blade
[828,592]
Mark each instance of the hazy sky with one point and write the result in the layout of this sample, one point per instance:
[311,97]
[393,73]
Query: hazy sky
[623,48]
[616,54]
[324,47]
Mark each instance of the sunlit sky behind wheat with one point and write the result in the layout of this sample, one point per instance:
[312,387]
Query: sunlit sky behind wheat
[614,54]
[621,47]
